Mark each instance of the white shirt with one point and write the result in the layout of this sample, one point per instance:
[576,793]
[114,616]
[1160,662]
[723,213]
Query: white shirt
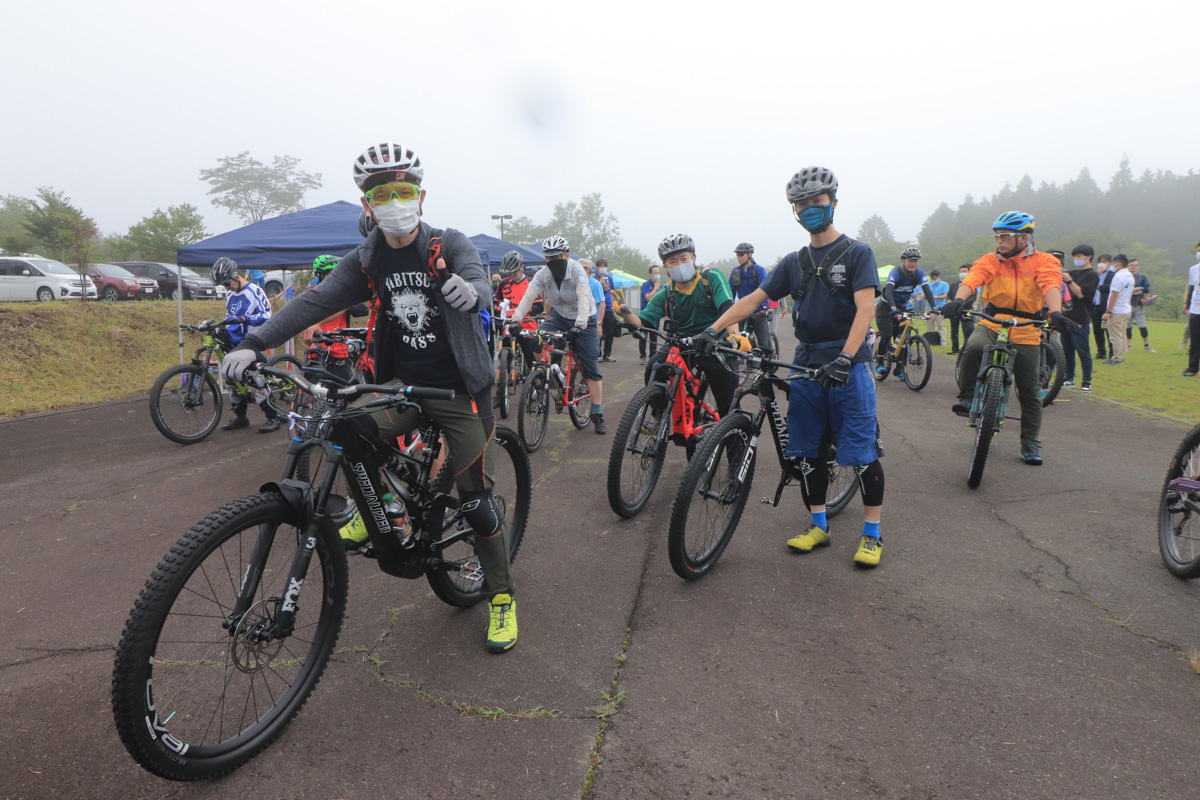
[1122,287]
[573,299]
[1194,282]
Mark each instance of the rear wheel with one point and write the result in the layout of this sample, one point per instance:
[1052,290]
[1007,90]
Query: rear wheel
[843,481]
[638,451]
[988,425]
[503,381]
[1050,373]
[579,409]
[533,411]
[44,295]
[461,582]
[198,690]
[1179,510]
[185,403]
[918,362]
[711,497]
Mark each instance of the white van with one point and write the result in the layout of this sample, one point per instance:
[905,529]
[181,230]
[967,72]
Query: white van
[28,277]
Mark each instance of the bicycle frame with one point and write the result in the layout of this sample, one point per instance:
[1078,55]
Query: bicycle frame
[997,356]
[548,352]
[687,392]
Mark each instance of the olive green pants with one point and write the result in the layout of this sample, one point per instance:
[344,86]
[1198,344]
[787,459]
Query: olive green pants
[1026,367]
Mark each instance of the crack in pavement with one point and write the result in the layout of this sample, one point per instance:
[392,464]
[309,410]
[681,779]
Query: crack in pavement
[53,652]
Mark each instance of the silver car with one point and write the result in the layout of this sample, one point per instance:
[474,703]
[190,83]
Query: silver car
[30,277]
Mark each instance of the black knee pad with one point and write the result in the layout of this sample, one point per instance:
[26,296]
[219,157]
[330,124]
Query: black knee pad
[482,512]
[814,480]
[870,478]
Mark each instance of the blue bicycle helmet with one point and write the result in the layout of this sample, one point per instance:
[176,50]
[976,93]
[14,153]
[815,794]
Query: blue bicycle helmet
[1014,221]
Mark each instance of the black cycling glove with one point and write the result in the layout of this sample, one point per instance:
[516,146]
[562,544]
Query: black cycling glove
[836,372]
[1064,323]
[953,309]
[705,342]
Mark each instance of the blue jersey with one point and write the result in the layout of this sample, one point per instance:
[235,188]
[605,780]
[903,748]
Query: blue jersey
[750,278]
[250,307]
[822,319]
[904,283]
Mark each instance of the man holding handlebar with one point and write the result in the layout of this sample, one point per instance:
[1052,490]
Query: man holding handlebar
[431,286]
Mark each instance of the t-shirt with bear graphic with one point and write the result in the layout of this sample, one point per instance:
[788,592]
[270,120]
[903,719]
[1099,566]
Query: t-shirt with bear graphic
[408,298]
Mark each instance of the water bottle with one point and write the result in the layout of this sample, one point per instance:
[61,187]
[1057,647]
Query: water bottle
[558,374]
[398,518]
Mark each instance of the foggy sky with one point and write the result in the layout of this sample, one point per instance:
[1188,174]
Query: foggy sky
[686,117]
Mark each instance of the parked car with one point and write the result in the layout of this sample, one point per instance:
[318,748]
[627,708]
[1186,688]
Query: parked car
[117,283]
[195,287]
[31,277]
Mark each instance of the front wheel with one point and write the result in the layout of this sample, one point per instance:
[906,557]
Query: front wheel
[918,364]
[533,411]
[111,295]
[638,450]
[988,425]
[1050,373]
[711,497]
[1179,510]
[185,403]
[286,395]
[460,580]
[199,686]
[503,381]
[580,407]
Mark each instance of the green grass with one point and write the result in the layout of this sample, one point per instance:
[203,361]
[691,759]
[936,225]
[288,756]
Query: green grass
[1146,382]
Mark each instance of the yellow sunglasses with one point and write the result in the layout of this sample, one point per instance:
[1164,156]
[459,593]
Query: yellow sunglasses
[384,193]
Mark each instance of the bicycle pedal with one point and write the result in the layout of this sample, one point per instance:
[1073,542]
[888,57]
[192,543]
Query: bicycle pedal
[366,551]
[766,501]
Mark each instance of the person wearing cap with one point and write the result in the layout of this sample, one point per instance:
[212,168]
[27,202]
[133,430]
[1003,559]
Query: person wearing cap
[431,287]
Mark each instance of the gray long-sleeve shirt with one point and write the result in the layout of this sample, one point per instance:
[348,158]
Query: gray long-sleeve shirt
[572,299]
[356,279]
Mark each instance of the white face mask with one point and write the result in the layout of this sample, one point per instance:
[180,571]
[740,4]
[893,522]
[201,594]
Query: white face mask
[398,218]
[1079,263]
[1198,255]
[962,276]
[682,272]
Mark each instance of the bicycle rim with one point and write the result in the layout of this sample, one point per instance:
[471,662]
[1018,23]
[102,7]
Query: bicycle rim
[711,498]
[1178,519]
[533,412]
[843,482]
[193,700]
[989,424]
[1051,375]
[919,364]
[580,409]
[639,449]
[185,403]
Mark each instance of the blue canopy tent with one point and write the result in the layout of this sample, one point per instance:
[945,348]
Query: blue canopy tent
[288,240]
[492,250]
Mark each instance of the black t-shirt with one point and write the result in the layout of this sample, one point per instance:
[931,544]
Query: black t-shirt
[408,299]
[1081,307]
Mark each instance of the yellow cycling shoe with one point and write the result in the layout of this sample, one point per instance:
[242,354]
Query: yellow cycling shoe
[870,549]
[354,533]
[813,537]
[502,623]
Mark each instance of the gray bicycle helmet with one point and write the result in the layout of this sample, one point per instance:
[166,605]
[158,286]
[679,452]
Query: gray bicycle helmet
[810,182]
[366,223]
[553,245]
[745,248]
[910,252]
[223,270]
[675,243]
[512,262]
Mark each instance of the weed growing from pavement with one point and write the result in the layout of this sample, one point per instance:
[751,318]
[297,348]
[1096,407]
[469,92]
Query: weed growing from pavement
[1193,660]
[612,698]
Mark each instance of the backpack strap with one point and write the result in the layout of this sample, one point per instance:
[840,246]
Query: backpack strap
[845,294]
[435,252]
[670,305]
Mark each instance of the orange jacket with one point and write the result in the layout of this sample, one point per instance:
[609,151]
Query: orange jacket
[1020,283]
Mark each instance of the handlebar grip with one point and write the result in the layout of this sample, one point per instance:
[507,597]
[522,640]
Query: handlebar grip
[427,393]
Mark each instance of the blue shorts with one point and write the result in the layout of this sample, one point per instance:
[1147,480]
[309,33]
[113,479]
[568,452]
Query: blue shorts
[849,411]
[587,344]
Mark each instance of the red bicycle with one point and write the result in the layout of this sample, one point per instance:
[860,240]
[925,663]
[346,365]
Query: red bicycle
[670,408]
[549,385]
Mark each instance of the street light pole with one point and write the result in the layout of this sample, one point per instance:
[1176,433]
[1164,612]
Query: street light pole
[501,217]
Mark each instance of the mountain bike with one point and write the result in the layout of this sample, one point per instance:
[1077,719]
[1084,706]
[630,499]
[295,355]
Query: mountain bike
[511,369]
[748,330]
[911,355]
[712,493]
[185,401]
[549,385]
[1179,510]
[1051,374]
[989,404]
[671,408]
[231,633]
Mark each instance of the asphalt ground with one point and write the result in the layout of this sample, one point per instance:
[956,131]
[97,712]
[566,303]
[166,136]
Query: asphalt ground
[1020,640]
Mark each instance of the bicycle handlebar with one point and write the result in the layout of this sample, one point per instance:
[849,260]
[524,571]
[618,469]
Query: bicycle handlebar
[358,390]
[1011,322]
[797,371]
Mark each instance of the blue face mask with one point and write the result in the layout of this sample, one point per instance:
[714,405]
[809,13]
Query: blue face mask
[816,218]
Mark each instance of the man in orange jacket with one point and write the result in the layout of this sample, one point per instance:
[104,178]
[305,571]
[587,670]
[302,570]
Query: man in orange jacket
[1021,282]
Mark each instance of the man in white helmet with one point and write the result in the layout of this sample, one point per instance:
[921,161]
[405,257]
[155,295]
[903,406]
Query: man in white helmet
[430,286]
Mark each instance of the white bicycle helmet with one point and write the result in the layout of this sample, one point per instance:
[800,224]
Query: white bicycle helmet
[910,252]
[555,245]
[386,162]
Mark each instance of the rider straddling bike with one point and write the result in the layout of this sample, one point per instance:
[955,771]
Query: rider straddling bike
[427,334]
[1021,281]
[514,283]
[563,282]
[889,310]
[834,283]
[692,300]
[246,308]
[339,362]
[751,275]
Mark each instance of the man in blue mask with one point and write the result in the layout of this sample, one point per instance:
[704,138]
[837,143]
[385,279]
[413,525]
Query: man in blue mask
[834,282]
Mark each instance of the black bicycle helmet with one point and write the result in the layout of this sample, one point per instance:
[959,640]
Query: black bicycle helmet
[810,182]
[911,252]
[745,248]
[223,271]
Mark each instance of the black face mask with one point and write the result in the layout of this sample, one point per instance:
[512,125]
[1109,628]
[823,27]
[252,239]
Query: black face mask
[558,267]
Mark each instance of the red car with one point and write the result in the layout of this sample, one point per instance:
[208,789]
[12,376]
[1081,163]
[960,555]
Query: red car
[117,283]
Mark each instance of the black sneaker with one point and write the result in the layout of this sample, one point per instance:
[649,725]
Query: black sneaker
[598,423]
[235,423]
[961,407]
[1030,454]
[270,426]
